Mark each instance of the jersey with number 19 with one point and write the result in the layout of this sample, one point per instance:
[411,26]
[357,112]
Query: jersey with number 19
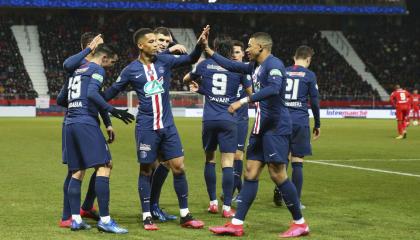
[85,144]
[301,84]
[220,87]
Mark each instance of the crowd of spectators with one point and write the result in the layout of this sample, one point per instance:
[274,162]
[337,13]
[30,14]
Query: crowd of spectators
[14,80]
[390,50]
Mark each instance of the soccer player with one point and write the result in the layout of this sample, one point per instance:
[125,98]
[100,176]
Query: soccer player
[400,99]
[85,145]
[301,84]
[161,168]
[220,87]
[243,118]
[155,132]
[415,106]
[269,141]
[89,41]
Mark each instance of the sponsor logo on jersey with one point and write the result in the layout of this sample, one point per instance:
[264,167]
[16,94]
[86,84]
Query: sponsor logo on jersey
[98,77]
[154,87]
[275,72]
[81,70]
[76,104]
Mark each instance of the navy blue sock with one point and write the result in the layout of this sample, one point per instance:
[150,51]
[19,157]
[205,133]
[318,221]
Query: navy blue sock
[90,195]
[144,192]
[290,198]
[237,171]
[297,176]
[210,177]
[66,204]
[158,178]
[246,197]
[102,191]
[227,185]
[181,189]
[74,195]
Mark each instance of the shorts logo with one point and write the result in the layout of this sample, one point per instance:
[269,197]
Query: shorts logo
[272,154]
[143,154]
[153,87]
[144,147]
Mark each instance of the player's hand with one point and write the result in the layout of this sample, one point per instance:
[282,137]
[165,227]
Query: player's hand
[193,86]
[316,133]
[111,134]
[204,37]
[234,106]
[95,42]
[178,48]
[123,115]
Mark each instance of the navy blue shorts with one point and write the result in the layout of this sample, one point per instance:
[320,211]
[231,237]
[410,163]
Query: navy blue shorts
[268,148]
[85,146]
[242,134]
[300,141]
[164,142]
[63,144]
[222,133]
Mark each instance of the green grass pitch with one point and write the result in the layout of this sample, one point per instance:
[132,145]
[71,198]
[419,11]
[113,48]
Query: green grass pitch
[342,203]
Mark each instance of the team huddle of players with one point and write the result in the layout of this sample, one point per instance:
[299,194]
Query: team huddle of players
[405,103]
[280,134]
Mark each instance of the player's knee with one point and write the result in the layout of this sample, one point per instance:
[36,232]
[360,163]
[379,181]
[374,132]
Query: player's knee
[297,159]
[227,159]
[239,155]
[278,173]
[178,170]
[210,156]
[146,169]
[103,171]
[79,174]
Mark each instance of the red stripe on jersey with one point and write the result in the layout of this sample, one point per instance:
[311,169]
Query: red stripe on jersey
[152,77]
[257,119]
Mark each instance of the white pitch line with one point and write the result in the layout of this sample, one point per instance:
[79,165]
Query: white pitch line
[369,160]
[363,168]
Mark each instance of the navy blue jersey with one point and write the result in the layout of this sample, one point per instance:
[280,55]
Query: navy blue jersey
[269,84]
[151,83]
[242,113]
[301,84]
[84,100]
[220,87]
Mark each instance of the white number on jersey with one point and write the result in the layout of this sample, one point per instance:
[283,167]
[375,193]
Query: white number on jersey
[219,84]
[75,83]
[403,97]
[292,88]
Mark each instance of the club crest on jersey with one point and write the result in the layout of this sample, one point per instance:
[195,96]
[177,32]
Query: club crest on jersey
[154,87]
[161,70]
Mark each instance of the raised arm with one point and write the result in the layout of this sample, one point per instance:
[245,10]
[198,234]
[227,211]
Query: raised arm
[73,62]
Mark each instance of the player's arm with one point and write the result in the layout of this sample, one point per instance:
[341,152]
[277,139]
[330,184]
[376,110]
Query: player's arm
[73,62]
[63,95]
[392,99]
[118,86]
[314,97]
[246,84]
[95,84]
[108,124]
[183,60]
[230,65]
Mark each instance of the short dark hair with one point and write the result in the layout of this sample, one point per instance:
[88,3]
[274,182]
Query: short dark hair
[304,52]
[264,39]
[163,30]
[224,46]
[86,38]
[237,43]
[106,49]
[140,33]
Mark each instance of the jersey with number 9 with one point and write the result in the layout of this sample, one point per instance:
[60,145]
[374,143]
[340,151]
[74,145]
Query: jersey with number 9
[220,88]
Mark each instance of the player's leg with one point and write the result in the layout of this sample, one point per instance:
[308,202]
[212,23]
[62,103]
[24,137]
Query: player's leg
[74,156]
[276,152]
[88,210]
[159,176]
[147,149]
[406,115]
[227,138]
[249,188]
[209,141]
[173,153]
[239,155]
[400,123]
[65,221]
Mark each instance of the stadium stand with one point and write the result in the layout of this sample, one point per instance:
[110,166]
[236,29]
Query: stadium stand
[14,80]
[390,50]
